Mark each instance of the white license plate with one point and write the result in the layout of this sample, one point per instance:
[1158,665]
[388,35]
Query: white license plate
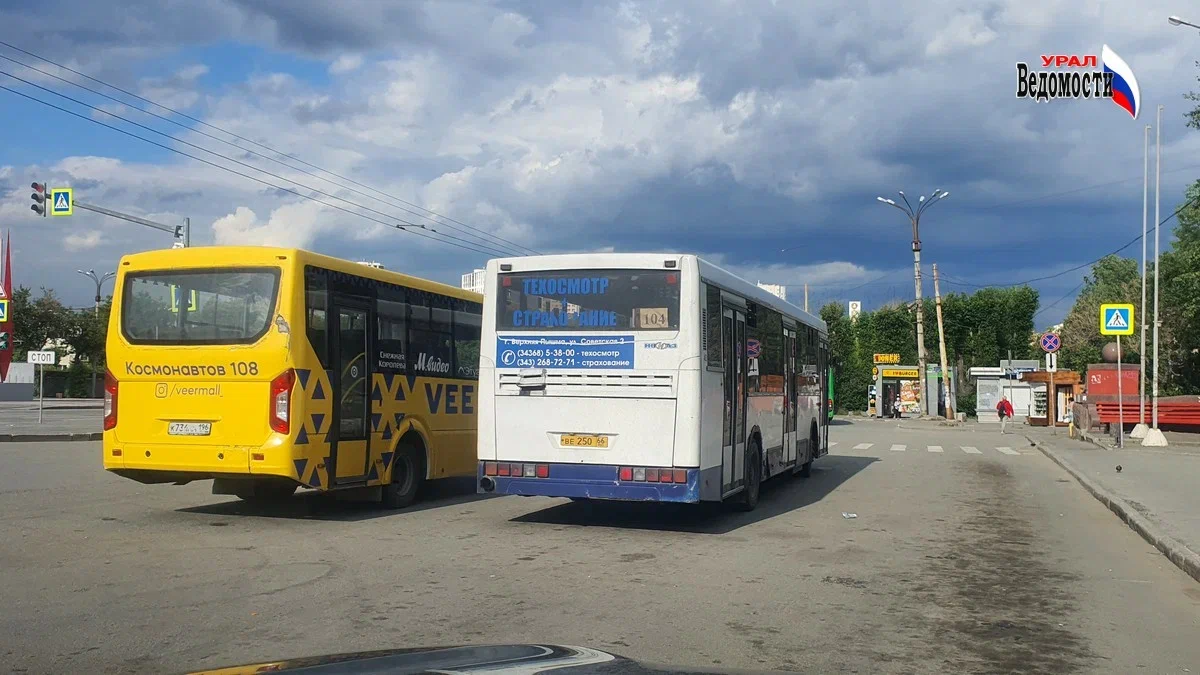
[189,428]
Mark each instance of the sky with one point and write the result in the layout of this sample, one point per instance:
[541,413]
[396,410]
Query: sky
[755,133]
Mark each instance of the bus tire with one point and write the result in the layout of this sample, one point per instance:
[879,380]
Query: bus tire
[410,462]
[748,498]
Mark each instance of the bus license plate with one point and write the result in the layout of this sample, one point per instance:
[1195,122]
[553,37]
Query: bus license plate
[583,441]
[189,428]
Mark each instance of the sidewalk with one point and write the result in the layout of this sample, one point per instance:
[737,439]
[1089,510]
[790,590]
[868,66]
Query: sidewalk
[1154,493]
[67,420]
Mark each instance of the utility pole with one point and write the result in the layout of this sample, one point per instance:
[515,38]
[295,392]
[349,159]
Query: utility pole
[914,217]
[806,296]
[1154,436]
[1140,429]
[937,298]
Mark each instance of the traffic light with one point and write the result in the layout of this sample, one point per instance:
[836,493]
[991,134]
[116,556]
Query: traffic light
[39,197]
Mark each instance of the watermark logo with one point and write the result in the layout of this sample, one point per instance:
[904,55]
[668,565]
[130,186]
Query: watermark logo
[1086,76]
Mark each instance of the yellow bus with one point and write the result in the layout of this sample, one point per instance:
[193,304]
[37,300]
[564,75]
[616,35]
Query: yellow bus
[269,369]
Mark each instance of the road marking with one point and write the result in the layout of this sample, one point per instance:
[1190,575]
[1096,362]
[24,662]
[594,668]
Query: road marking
[863,446]
[970,451]
[1008,451]
[897,448]
[832,443]
[935,448]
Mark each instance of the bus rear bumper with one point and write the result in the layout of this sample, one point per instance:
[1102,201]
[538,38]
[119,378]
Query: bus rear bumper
[589,481]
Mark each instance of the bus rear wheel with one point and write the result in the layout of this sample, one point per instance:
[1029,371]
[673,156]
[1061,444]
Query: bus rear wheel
[408,471]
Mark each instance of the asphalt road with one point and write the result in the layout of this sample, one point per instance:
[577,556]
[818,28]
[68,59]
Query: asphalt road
[958,561]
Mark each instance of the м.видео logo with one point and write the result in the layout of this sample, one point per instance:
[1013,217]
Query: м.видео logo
[1115,81]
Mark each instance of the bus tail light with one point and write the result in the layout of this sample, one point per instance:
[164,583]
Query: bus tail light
[516,470]
[650,475]
[110,400]
[281,401]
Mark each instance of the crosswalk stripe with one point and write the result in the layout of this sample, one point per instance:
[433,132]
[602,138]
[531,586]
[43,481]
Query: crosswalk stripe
[897,448]
[1008,451]
[863,446]
[935,448]
[970,451]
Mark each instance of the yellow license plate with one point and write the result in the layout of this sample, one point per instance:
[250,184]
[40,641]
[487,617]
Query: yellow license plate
[583,441]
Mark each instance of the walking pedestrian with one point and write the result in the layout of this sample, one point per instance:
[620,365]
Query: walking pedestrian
[1005,410]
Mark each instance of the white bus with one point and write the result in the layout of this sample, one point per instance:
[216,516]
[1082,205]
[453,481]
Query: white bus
[647,377]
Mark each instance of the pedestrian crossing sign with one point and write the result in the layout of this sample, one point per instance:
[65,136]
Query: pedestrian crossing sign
[1116,319]
[62,201]
[3,311]
[177,295]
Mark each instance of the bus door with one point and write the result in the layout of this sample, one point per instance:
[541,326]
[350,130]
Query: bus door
[790,437]
[350,377]
[733,443]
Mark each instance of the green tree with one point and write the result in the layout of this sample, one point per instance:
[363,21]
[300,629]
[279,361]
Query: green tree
[980,328]
[88,331]
[1113,279]
[1179,300]
[37,321]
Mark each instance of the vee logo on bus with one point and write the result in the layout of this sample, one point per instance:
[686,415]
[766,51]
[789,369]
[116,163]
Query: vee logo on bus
[450,399]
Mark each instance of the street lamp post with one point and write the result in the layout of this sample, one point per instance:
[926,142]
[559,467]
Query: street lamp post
[1176,21]
[914,217]
[99,281]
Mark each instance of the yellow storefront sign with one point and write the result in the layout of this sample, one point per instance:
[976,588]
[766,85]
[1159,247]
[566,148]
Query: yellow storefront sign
[887,358]
[902,373]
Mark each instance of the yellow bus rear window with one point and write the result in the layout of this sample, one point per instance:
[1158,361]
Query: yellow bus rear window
[226,306]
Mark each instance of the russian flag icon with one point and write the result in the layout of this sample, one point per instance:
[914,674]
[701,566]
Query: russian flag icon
[1124,85]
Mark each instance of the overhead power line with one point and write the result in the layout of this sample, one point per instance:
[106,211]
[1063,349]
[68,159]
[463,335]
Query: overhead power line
[1066,295]
[1067,193]
[252,142]
[1131,242]
[417,232]
[405,224]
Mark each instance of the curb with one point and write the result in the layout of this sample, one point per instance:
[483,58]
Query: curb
[1178,553]
[62,438]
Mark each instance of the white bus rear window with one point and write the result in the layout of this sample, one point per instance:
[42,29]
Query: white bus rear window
[589,300]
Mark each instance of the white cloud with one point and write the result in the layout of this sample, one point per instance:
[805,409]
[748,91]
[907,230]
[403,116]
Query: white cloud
[962,31]
[736,126]
[82,241]
[291,225]
[345,63]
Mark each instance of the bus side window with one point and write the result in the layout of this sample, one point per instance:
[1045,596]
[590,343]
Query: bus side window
[712,328]
[468,323]
[391,334]
[430,334]
[316,298]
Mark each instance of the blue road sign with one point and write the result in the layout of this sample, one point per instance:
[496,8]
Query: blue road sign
[62,201]
[1116,319]
[1051,342]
